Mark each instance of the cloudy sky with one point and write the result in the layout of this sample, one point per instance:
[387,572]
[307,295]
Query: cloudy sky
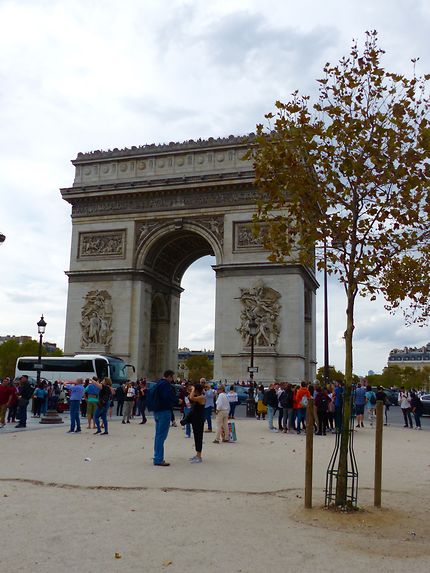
[79,75]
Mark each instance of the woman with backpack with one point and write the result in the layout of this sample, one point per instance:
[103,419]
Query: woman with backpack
[301,399]
[261,406]
[371,404]
[286,399]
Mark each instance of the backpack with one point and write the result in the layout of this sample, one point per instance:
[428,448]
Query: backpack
[265,398]
[304,401]
[372,399]
[323,404]
[152,398]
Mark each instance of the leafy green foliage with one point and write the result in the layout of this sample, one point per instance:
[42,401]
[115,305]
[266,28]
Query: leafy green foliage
[12,349]
[333,375]
[353,170]
[199,367]
[407,376]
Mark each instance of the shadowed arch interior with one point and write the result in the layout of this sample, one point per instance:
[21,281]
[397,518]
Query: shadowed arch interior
[174,252]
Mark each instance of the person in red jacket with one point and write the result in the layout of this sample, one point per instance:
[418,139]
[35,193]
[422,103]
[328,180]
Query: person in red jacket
[301,398]
[5,399]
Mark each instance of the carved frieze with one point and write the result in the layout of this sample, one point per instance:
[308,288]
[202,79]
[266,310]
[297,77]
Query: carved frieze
[103,244]
[143,230]
[96,321]
[261,304]
[91,206]
[214,224]
[244,238]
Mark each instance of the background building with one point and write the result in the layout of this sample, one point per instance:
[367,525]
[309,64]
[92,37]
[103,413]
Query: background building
[416,358]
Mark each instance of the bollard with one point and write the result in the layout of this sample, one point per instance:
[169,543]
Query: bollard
[378,453]
[309,453]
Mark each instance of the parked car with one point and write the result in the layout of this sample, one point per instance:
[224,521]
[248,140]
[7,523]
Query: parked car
[241,391]
[393,396]
[425,400]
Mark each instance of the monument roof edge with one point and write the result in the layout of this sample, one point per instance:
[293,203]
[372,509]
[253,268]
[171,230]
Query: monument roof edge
[155,149]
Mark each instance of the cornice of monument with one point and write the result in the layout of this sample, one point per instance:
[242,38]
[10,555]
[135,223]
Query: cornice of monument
[163,148]
[165,185]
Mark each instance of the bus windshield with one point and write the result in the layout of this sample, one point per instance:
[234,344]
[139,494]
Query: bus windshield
[118,370]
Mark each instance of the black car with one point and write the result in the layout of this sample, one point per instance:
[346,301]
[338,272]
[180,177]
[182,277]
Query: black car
[393,396]
[425,401]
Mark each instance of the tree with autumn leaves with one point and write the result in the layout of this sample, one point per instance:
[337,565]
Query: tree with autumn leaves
[351,172]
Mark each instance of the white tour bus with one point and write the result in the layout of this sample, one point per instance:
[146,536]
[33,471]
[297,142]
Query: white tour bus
[72,367]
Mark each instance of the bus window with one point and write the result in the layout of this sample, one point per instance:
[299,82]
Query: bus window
[101,368]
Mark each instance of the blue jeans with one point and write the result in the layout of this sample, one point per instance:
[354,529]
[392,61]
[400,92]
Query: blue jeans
[301,415]
[208,416]
[162,425]
[187,426]
[74,415]
[101,412]
[270,412]
[22,411]
[232,409]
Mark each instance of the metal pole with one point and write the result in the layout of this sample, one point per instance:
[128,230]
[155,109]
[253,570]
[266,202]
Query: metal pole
[326,375]
[251,374]
[39,360]
[309,453]
[378,454]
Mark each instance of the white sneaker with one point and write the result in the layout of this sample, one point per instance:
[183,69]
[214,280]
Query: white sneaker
[274,430]
[196,460]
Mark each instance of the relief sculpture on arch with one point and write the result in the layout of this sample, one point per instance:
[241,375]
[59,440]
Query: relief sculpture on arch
[260,303]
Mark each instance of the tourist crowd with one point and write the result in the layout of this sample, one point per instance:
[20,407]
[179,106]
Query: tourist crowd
[284,405]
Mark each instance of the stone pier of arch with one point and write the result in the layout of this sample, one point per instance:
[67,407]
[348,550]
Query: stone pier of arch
[140,218]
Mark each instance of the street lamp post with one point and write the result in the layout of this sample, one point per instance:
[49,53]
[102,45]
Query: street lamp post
[252,329]
[250,403]
[51,416]
[41,326]
[326,373]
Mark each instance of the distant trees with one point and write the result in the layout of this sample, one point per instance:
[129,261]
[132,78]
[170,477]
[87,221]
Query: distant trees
[199,367]
[12,349]
[333,375]
[397,376]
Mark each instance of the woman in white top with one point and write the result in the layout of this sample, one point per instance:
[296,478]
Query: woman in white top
[233,400]
[405,405]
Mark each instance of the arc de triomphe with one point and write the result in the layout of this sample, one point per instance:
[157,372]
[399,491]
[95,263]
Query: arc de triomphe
[140,218]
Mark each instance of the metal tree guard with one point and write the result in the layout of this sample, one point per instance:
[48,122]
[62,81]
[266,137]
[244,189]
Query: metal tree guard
[352,469]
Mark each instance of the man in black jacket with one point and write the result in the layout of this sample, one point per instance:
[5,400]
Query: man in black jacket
[164,400]
[25,392]
[271,400]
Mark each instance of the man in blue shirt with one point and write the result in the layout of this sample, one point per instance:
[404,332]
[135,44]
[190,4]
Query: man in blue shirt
[76,392]
[164,400]
[360,402]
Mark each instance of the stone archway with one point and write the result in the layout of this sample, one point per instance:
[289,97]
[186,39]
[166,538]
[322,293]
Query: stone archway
[164,253]
[141,217]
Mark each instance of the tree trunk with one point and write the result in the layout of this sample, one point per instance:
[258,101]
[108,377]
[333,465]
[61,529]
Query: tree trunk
[342,477]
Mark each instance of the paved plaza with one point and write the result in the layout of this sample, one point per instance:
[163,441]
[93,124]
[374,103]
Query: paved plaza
[85,503]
